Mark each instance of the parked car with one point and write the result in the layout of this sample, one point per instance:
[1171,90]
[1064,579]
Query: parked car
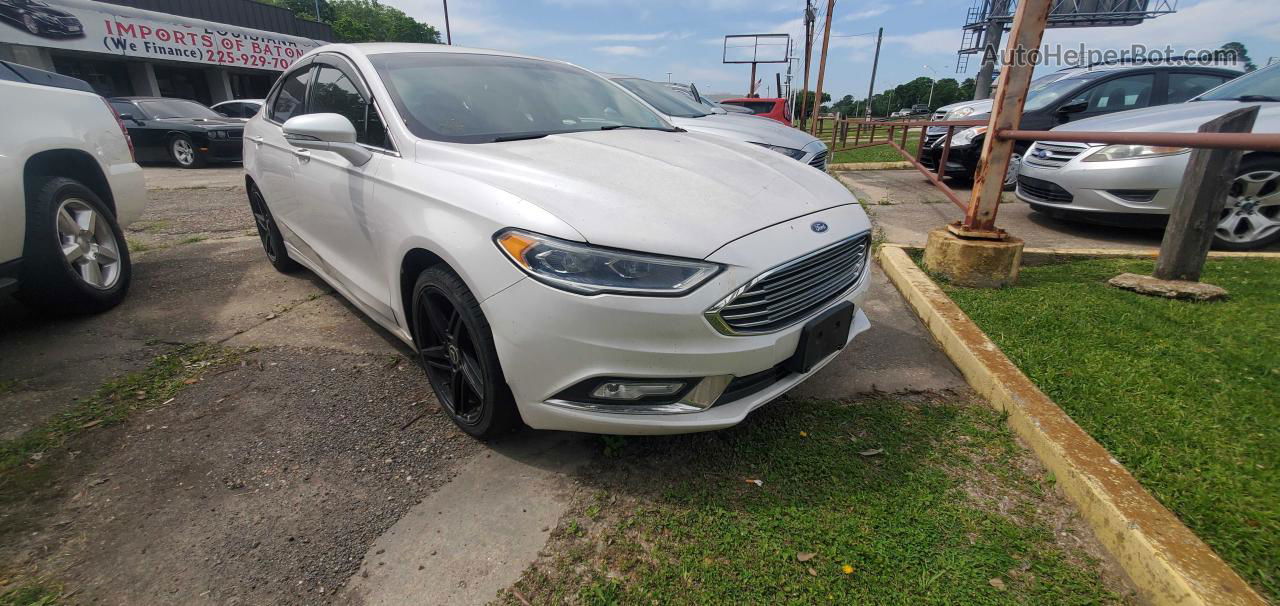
[681,111]
[180,131]
[918,108]
[40,19]
[238,108]
[1138,184]
[68,182]
[773,109]
[1077,94]
[553,249]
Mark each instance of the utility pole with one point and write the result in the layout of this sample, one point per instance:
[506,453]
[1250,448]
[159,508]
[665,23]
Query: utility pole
[317,10]
[447,32]
[822,68]
[751,92]
[809,17]
[777,79]
[875,63]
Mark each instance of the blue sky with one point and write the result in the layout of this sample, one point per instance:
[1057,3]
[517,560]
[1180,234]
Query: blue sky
[649,38]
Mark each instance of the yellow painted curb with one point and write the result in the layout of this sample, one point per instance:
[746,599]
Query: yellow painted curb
[1167,562]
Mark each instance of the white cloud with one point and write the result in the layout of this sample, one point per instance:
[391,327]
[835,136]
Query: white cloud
[623,51]
[875,10]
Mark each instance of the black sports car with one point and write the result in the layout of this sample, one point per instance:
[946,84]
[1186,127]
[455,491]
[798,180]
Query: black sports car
[40,19]
[165,129]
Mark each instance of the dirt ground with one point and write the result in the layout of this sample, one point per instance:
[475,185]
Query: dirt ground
[263,483]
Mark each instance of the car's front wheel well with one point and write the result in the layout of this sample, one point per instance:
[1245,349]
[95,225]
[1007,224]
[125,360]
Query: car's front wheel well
[72,164]
[1264,155]
[414,263]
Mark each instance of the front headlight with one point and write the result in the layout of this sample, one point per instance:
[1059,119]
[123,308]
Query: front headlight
[586,269]
[794,154]
[1130,152]
[217,134]
[959,113]
[967,135]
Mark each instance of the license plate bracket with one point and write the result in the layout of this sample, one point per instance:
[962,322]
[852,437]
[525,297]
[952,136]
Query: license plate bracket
[822,336]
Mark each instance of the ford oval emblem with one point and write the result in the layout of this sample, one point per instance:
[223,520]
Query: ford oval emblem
[818,227]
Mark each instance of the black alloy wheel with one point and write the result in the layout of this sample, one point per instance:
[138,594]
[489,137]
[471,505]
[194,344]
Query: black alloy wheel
[269,233]
[455,348]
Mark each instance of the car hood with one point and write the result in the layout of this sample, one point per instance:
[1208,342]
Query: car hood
[205,122]
[681,194]
[752,129]
[979,106]
[1176,118]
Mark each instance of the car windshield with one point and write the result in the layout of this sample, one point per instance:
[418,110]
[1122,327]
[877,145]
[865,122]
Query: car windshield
[663,99]
[176,108]
[1044,91]
[1261,85]
[475,98]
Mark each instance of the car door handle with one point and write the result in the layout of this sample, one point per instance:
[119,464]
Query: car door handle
[256,140]
[303,154]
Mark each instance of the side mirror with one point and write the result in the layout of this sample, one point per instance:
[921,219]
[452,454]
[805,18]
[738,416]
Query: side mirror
[327,132]
[130,118]
[1073,108]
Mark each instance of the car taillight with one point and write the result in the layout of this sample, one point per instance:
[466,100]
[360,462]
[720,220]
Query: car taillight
[124,131]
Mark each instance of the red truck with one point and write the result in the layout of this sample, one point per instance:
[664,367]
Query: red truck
[774,109]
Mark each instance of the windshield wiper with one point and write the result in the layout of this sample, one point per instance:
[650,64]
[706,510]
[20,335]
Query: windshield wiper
[523,137]
[665,130]
[1256,98]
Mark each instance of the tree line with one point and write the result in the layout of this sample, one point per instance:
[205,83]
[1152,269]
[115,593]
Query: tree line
[362,20]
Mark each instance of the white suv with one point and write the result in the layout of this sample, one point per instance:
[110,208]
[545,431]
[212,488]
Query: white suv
[67,183]
[553,249]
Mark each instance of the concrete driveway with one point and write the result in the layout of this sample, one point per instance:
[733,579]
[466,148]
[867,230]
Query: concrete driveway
[319,467]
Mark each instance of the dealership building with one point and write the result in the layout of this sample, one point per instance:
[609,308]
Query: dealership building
[206,50]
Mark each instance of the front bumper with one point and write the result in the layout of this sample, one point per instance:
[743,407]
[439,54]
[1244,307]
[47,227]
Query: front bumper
[549,340]
[223,150]
[1127,192]
[962,160]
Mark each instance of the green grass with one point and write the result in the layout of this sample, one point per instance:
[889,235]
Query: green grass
[933,518]
[112,403]
[1185,395]
[30,595]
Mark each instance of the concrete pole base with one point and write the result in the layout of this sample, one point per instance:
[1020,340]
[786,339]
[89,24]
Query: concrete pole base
[975,263]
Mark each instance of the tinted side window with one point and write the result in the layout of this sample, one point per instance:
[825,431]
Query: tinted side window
[1129,92]
[334,92]
[289,99]
[1183,86]
[231,110]
[122,108]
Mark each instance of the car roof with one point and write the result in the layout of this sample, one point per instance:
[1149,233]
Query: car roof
[1094,71]
[239,101]
[383,48]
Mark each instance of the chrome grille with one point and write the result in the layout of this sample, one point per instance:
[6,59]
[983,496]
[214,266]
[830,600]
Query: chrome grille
[1054,154]
[793,291]
[819,160]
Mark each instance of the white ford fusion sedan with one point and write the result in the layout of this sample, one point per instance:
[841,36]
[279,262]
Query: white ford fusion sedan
[554,250]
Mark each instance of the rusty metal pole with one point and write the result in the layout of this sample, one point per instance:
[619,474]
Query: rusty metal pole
[1006,113]
[822,62]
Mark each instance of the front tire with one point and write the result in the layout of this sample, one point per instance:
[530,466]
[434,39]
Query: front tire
[183,152]
[75,259]
[1250,218]
[455,348]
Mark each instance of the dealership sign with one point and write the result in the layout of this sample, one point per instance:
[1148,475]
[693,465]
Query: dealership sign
[107,28]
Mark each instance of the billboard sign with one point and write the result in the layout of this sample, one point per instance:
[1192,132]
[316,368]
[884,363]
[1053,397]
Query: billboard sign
[754,48]
[117,30]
